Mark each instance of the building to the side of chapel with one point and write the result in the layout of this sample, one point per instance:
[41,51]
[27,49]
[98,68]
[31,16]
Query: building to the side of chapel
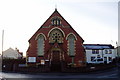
[100,53]
[12,54]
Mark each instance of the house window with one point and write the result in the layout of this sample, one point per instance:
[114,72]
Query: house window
[40,45]
[110,58]
[71,45]
[105,59]
[110,51]
[106,51]
[95,51]
[99,59]
[98,56]
[93,58]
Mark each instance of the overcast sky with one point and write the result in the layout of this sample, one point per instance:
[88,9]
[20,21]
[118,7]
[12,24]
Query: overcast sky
[96,21]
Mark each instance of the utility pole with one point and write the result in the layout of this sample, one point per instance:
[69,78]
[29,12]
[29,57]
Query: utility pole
[117,48]
[117,55]
[2,51]
[2,42]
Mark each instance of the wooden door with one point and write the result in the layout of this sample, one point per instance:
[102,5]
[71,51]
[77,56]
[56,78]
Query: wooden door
[56,56]
[55,64]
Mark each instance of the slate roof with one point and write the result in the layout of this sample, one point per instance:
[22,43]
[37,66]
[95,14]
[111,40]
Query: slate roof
[98,46]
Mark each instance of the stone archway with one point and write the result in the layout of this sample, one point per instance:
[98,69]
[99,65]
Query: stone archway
[56,35]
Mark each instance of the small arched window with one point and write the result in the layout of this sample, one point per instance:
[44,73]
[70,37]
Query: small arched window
[40,45]
[71,45]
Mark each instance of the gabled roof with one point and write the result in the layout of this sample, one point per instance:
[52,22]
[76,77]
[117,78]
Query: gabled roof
[55,13]
[47,22]
[11,53]
[98,46]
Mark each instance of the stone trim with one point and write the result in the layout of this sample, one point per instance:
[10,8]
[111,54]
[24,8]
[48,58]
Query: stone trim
[65,26]
[43,44]
[56,28]
[46,26]
[56,17]
[74,48]
[42,35]
[71,34]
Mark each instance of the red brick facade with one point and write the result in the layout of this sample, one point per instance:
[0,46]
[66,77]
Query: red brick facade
[56,32]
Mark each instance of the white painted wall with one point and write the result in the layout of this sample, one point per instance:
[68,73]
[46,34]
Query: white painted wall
[89,54]
[11,53]
[102,54]
[112,55]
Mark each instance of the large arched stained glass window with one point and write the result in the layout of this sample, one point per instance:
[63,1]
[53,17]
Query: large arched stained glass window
[71,45]
[40,45]
[56,36]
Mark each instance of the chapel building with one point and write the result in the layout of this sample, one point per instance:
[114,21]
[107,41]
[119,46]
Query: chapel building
[56,43]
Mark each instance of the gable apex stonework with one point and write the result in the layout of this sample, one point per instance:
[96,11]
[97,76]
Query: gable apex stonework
[55,14]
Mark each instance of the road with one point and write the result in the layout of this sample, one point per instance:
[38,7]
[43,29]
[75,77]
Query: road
[111,73]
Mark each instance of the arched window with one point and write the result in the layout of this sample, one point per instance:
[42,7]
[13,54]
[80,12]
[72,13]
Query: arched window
[40,45]
[71,44]
[56,36]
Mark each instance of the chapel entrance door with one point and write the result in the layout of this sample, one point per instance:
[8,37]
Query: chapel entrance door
[55,63]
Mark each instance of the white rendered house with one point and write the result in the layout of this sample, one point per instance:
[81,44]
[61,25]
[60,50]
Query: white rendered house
[11,54]
[99,53]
